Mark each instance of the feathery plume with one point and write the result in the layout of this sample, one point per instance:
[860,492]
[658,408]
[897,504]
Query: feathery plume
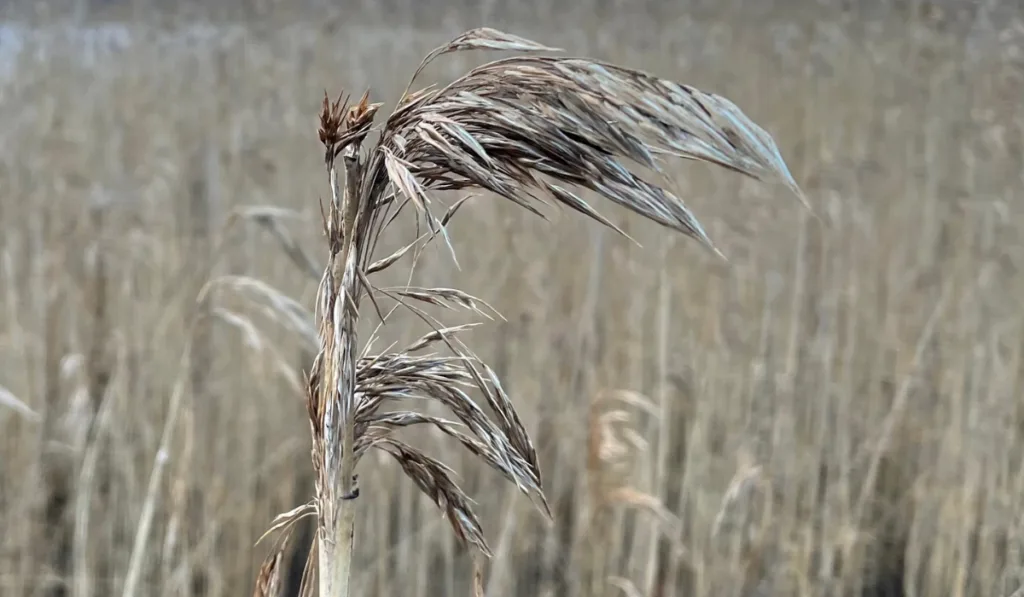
[532,129]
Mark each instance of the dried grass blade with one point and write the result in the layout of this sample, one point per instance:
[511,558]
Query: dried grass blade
[370,293]
[481,38]
[625,585]
[519,438]
[387,422]
[513,443]
[512,433]
[439,335]
[386,262]
[285,520]
[486,38]
[608,397]
[254,340]
[9,400]
[573,201]
[439,383]
[435,480]
[404,181]
[268,217]
[310,573]
[637,499]
[245,325]
[274,303]
[445,297]
[757,140]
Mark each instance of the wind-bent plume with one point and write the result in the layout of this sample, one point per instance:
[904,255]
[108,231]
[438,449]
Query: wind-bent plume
[526,128]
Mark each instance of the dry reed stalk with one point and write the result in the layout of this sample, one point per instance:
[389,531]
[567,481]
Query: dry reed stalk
[613,442]
[140,544]
[519,127]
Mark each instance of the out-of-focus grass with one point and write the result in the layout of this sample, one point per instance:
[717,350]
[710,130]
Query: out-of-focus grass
[869,363]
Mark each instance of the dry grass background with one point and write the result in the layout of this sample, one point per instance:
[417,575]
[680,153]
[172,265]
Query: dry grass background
[837,412]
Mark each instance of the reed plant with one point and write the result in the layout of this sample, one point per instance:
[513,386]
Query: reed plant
[530,128]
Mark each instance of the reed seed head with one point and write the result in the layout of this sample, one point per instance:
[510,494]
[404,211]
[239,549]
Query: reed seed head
[531,129]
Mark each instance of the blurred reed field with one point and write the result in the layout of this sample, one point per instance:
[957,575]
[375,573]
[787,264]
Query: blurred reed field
[836,411]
